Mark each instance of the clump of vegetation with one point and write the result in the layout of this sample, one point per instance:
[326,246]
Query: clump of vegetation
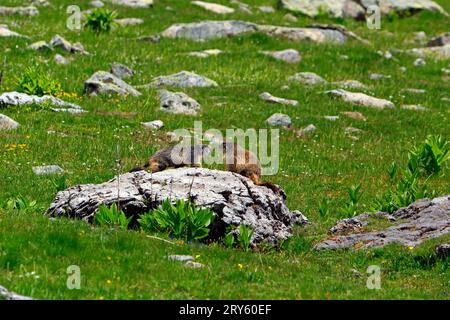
[111,217]
[351,207]
[245,235]
[101,20]
[430,157]
[35,81]
[21,203]
[182,220]
[324,208]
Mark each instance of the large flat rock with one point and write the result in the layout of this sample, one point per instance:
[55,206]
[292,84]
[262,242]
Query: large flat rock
[234,199]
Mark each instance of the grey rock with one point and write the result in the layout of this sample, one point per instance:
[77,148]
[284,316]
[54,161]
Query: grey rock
[288,55]
[310,34]
[6,32]
[45,170]
[354,115]
[9,295]
[178,102]
[18,98]
[350,84]
[59,59]
[308,78]
[334,8]
[121,71]
[104,82]
[441,40]
[402,6]
[6,123]
[243,7]
[97,4]
[438,53]
[194,265]
[40,3]
[59,42]
[40,45]
[290,17]
[350,130]
[205,53]
[205,30]
[378,76]
[213,7]
[183,79]
[234,199]
[21,11]
[331,118]
[270,98]
[151,38]
[129,21]
[347,225]
[443,250]
[419,62]
[266,9]
[361,99]
[154,125]
[414,107]
[301,218]
[308,129]
[180,257]
[133,3]
[413,90]
[279,119]
[422,220]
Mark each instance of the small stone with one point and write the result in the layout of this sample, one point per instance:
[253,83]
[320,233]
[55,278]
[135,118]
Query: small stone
[121,71]
[194,265]
[40,3]
[414,107]
[59,59]
[40,45]
[97,4]
[288,55]
[266,9]
[331,118]
[307,78]
[441,40]
[6,123]
[356,273]
[378,76]
[412,90]
[205,53]
[419,62]
[46,170]
[151,38]
[133,3]
[243,7]
[60,42]
[443,250]
[279,119]
[156,124]
[300,217]
[183,79]
[180,257]
[349,130]
[290,17]
[270,98]
[178,102]
[309,128]
[350,84]
[402,69]
[361,99]
[354,115]
[5,32]
[8,295]
[285,88]
[213,7]
[103,82]
[21,11]
[129,21]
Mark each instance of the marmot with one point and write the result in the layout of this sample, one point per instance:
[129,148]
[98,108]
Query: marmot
[236,159]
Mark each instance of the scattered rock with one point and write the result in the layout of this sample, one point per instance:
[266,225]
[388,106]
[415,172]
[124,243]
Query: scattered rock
[104,82]
[266,9]
[121,71]
[18,98]
[200,31]
[154,125]
[439,41]
[334,8]
[331,118]
[45,170]
[5,32]
[270,98]
[439,53]
[9,295]
[402,69]
[180,257]
[279,119]
[378,76]
[59,42]
[412,90]
[350,130]
[59,59]
[6,123]
[205,53]
[97,4]
[347,225]
[40,45]
[309,128]
[152,38]
[361,99]
[133,3]
[308,78]
[178,102]
[414,107]
[409,6]
[234,199]
[354,115]
[288,55]
[128,21]
[183,79]
[243,7]
[194,265]
[443,250]
[22,11]
[213,7]
[424,219]
[419,62]
[40,3]
[290,17]
[350,84]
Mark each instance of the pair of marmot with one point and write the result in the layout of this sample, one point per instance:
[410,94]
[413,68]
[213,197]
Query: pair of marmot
[236,158]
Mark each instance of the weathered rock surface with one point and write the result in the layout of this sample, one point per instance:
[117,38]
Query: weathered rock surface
[133,3]
[22,11]
[424,219]
[308,78]
[313,34]
[354,115]
[402,6]
[234,199]
[308,129]
[379,76]
[350,84]
[104,82]
[279,119]
[59,59]
[9,295]
[272,99]
[121,71]
[180,257]
[443,250]
[129,21]
[439,52]
[18,98]
[288,55]
[97,4]
[213,7]
[50,169]
[59,42]
[183,79]
[205,53]
[415,107]
[178,102]
[361,99]
[200,31]
[334,8]
[6,123]
[442,40]
[5,32]
[154,125]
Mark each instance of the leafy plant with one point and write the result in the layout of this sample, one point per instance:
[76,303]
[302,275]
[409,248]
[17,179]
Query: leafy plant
[35,81]
[324,208]
[351,207]
[229,240]
[430,156]
[21,203]
[59,183]
[392,171]
[245,235]
[101,20]
[111,217]
[182,220]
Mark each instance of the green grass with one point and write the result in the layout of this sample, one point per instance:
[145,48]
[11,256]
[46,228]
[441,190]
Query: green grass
[321,165]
